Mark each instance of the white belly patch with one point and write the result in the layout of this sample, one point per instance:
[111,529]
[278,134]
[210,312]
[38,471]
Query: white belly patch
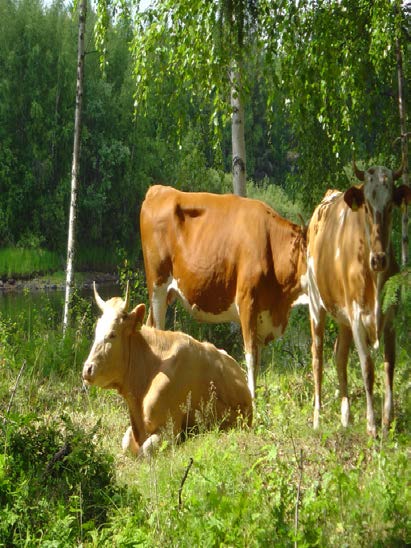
[229,315]
[265,328]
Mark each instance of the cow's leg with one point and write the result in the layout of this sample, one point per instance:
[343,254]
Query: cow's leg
[150,445]
[389,363]
[158,306]
[367,369]
[129,442]
[342,349]
[252,349]
[147,448]
[252,359]
[317,334]
[252,354]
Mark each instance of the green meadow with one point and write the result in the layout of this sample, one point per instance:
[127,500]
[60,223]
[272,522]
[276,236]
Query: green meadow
[64,480]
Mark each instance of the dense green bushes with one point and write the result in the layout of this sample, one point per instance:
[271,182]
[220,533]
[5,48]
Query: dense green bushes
[53,477]
[125,150]
[122,151]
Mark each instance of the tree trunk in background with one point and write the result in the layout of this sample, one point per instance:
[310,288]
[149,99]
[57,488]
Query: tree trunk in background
[237,133]
[75,165]
[404,149]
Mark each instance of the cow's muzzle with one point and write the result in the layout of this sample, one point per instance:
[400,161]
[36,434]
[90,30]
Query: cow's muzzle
[88,372]
[378,261]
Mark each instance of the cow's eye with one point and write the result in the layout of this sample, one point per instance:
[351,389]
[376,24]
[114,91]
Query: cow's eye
[109,337]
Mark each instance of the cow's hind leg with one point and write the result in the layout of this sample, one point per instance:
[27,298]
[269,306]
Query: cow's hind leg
[158,306]
[367,369]
[342,349]
[389,363]
[317,333]
[129,443]
[252,358]
[251,347]
[150,445]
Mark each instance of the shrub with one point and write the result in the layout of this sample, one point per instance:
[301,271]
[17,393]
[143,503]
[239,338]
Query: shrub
[57,480]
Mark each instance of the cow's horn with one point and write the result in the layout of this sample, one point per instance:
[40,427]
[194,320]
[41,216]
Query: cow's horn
[397,174]
[358,172]
[127,297]
[99,300]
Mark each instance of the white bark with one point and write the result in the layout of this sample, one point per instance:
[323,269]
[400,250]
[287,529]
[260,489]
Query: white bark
[75,165]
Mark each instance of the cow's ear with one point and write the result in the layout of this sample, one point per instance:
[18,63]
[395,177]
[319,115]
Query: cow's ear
[354,197]
[402,195]
[137,316]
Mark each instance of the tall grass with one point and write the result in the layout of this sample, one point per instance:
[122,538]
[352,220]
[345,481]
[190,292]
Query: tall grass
[28,262]
[98,258]
[16,261]
[64,480]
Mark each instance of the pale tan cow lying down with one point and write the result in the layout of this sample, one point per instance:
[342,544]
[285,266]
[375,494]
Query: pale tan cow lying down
[163,375]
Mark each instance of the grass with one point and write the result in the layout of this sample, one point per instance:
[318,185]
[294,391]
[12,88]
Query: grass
[18,262]
[243,487]
[98,258]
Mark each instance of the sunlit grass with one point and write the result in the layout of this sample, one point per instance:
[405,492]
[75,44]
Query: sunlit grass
[31,262]
[16,261]
[244,485]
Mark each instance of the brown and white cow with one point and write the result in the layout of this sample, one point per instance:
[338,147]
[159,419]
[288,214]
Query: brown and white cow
[229,259]
[350,257]
[163,376]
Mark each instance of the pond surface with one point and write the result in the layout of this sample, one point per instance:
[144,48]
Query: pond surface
[16,303]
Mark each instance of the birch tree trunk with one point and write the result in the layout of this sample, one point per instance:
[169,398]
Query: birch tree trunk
[237,135]
[71,241]
[404,149]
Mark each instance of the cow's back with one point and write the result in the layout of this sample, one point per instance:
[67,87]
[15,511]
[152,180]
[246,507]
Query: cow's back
[217,245]
[198,235]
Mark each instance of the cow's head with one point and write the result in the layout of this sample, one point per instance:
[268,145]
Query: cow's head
[377,196]
[108,356]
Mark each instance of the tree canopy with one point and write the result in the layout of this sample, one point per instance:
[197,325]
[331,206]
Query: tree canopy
[317,78]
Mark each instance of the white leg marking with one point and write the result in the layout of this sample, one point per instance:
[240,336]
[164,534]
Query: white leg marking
[360,339]
[159,304]
[250,373]
[128,443]
[150,445]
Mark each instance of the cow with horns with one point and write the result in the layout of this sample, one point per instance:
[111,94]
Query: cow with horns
[163,376]
[227,258]
[350,257]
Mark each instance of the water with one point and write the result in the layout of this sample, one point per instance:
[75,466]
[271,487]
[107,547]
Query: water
[17,303]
